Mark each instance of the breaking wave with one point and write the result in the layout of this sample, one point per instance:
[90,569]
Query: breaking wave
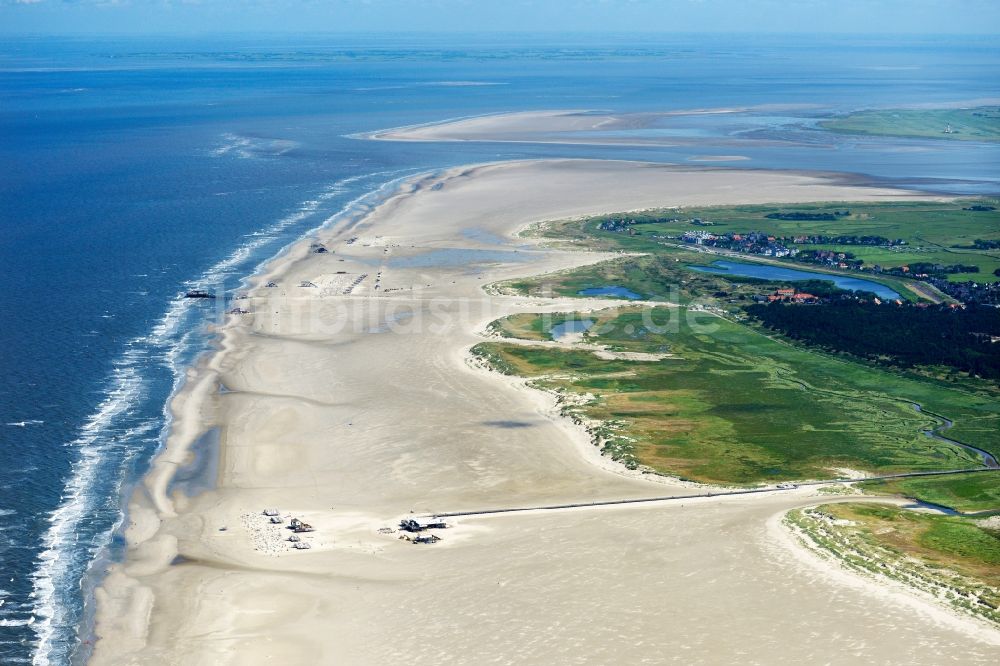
[121,433]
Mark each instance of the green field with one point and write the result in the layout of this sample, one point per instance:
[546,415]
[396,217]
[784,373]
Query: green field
[934,232]
[953,558]
[734,406]
[968,493]
[978,124]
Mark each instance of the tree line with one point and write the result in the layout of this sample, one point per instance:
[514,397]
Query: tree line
[905,336]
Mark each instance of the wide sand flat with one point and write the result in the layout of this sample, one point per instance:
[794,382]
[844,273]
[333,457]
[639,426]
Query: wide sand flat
[582,127]
[520,126]
[351,410]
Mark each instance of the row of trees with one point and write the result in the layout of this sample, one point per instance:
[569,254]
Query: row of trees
[808,215]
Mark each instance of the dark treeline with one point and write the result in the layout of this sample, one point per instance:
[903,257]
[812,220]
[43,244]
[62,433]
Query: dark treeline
[941,269]
[906,336]
[820,239]
[808,215]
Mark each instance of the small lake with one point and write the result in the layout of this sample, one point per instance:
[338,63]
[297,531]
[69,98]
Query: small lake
[610,290]
[570,326]
[779,274]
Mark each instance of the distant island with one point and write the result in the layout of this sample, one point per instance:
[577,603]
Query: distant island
[974,124]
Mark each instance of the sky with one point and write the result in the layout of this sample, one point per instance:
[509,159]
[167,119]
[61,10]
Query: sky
[276,16]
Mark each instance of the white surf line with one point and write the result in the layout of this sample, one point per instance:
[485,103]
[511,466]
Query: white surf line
[127,387]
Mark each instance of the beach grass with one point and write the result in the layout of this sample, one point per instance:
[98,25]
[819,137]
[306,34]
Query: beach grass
[968,493]
[975,124]
[957,542]
[954,558]
[731,405]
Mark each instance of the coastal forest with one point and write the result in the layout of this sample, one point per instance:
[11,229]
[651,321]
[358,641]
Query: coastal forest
[907,336]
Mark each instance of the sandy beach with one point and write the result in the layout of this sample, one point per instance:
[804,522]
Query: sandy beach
[351,402]
[582,126]
[502,127]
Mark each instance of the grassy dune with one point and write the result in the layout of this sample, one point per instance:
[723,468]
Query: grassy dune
[956,559]
[731,405]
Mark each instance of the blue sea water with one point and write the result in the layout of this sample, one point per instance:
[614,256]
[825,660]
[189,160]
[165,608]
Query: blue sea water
[133,170]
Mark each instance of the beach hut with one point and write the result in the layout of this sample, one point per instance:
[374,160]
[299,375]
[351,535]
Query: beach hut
[271,512]
[432,523]
[298,526]
[421,524]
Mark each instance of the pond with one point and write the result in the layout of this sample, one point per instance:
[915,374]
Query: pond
[610,290]
[570,326]
[779,274]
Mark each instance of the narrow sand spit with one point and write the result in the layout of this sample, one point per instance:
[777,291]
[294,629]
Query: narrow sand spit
[578,126]
[351,403]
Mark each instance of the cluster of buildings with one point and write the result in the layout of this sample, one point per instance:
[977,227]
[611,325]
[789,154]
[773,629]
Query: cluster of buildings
[297,526]
[792,296]
[789,295]
[980,293]
[767,245]
[753,242]
[418,525]
[967,292]
[842,260]
[624,224]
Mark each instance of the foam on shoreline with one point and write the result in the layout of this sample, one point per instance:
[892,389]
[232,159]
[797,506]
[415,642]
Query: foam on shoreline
[170,344]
